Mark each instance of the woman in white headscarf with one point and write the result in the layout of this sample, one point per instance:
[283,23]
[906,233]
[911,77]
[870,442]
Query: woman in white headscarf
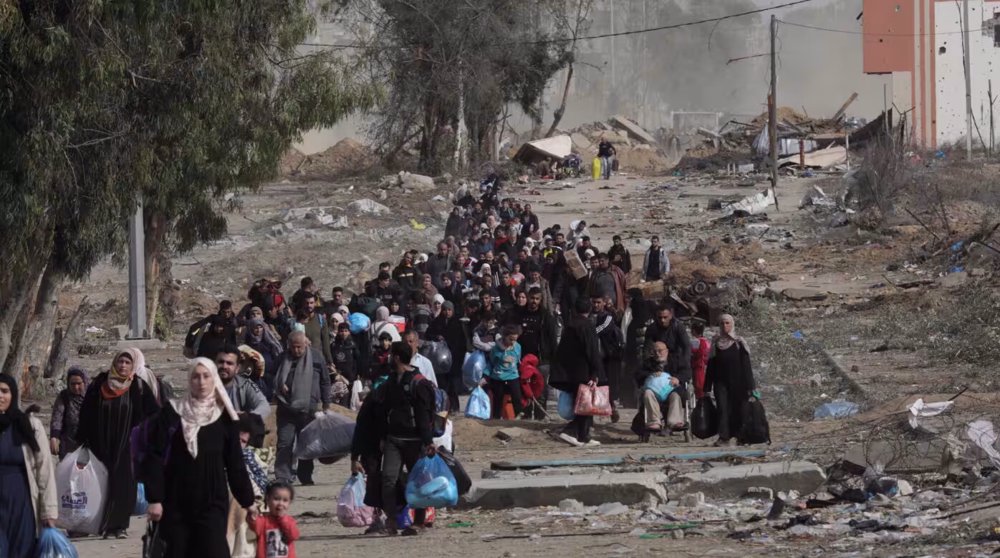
[194,462]
[730,378]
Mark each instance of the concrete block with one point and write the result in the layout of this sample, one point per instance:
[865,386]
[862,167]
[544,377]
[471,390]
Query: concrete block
[325,219]
[511,433]
[590,490]
[733,482]
[142,344]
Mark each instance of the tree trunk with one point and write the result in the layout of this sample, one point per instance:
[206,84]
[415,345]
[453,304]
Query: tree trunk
[12,307]
[460,127]
[14,363]
[37,345]
[558,114]
[155,234]
[60,343]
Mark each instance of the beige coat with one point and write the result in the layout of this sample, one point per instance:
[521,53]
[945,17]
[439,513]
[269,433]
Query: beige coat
[41,476]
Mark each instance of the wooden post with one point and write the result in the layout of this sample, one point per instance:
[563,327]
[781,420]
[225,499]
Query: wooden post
[772,111]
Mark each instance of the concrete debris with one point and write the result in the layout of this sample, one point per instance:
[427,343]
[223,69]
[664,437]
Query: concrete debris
[612,508]
[572,506]
[590,489]
[340,223]
[750,205]
[735,481]
[633,129]
[367,206]
[797,295]
[693,500]
[511,433]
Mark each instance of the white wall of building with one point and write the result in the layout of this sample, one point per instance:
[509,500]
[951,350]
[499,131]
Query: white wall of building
[950,72]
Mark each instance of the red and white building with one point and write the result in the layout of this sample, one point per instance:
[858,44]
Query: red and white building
[920,43]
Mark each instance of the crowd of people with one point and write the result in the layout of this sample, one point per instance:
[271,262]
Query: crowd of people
[545,307]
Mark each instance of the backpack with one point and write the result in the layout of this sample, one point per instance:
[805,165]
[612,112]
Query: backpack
[755,429]
[364,304]
[442,407]
[612,342]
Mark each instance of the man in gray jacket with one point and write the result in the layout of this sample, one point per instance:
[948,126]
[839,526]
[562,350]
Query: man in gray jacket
[301,389]
[655,264]
[243,392]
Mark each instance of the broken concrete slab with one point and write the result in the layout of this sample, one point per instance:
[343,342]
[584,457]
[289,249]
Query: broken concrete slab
[325,219]
[365,205]
[633,129]
[750,205]
[954,280]
[733,482]
[797,295]
[511,433]
[417,182]
[590,490]
[621,460]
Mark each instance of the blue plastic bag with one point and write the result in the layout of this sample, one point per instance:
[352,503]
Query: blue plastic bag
[403,518]
[479,405]
[431,484]
[660,386]
[358,322]
[141,505]
[473,369]
[836,409]
[53,544]
[566,405]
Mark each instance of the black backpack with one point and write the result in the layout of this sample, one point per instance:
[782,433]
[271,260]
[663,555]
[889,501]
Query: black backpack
[755,429]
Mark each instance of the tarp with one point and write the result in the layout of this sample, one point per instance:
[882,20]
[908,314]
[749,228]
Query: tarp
[556,147]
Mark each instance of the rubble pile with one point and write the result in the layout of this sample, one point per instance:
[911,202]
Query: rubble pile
[345,158]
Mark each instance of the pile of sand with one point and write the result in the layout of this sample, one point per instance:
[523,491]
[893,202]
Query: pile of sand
[347,157]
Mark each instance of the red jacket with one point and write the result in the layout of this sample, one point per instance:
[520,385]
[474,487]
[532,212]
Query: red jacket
[276,536]
[532,382]
[699,363]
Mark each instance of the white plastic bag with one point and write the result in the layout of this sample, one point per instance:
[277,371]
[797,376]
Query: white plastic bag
[446,438]
[356,388]
[351,508]
[82,483]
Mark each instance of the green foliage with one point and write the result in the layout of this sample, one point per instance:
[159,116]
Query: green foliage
[179,102]
[432,54]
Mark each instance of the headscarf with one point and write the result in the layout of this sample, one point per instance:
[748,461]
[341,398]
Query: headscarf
[23,432]
[145,374]
[267,336]
[196,413]
[723,341]
[381,314]
[76,401]
[256,312]
[119,383]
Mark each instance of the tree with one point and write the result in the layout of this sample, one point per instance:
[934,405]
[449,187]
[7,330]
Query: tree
[437,57]
[102,102]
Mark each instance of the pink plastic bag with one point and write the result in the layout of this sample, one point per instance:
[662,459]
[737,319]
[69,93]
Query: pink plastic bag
[592,401]
[351,508]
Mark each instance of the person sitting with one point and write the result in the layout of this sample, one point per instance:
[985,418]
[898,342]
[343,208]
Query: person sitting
[649,419]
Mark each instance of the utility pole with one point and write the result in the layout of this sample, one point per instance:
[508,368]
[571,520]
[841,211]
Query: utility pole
[968,80]
[772,111]
[137,276]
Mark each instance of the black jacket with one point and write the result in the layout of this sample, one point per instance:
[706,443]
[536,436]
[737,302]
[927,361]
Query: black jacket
[346,357]
[678,343]
[408,407]
[453,334]
[538,332]
[578,358]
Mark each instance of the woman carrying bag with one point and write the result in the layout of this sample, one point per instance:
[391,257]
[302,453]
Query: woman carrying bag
[195,460]
[27,479]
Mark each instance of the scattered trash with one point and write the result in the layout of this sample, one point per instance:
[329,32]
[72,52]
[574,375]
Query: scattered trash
[836,409]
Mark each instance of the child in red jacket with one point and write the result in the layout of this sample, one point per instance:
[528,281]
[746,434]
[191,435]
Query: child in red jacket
[700,348]
[532,382]
[276,531]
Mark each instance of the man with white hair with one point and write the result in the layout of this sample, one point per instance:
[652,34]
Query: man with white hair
[302,392]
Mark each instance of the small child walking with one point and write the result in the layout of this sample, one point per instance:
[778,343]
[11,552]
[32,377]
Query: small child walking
[276,530]
[503,376]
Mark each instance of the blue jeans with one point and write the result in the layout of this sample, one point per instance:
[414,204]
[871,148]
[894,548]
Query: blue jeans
[606,167]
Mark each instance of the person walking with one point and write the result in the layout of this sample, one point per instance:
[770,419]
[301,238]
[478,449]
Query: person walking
[28,500]
[403,408]
[656,263]
[116,402]
[606,152]
[66,413]
[730,378]
[301,388]
[195,461]
[577,361]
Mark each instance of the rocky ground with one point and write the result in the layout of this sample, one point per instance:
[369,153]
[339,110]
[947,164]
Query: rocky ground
[875,319]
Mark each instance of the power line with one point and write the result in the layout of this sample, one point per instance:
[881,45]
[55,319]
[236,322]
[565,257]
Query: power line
[609,35]
[870,33]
